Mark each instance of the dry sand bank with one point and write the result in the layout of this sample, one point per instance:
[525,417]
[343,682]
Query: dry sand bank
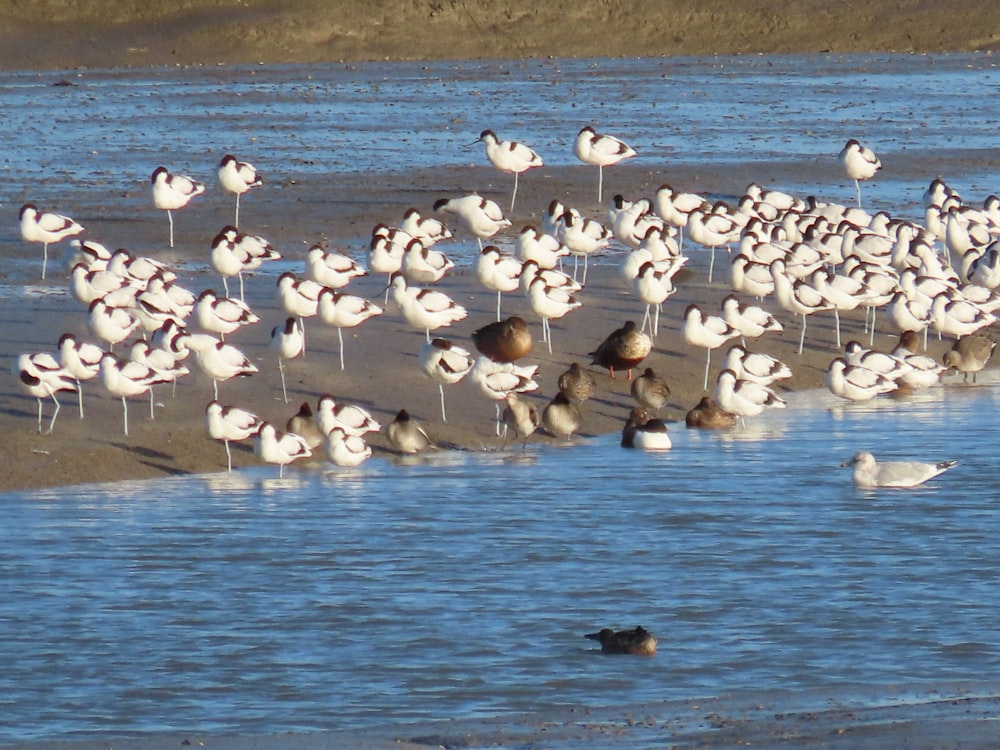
[55,34]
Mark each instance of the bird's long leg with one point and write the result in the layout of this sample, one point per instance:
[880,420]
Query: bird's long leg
[708,364]
[340,338]
[125,414]
[802,336]
[170,218]
[441,389]
[281,371]
[514,194]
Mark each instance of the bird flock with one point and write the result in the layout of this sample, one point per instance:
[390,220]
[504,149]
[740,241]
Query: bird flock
[790,258]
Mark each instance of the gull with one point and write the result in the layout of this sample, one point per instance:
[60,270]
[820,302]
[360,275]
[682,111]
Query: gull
[482,217]
[82,360]
[230,424]
[238,177]
[497,272]
[288,340]
[751,321]
[756,367]
[128,378]
[222,315]
[855,383]
[870,474]
[561,418]
[509,156]
[445,363]
[331,269]
[45,227]
[521,417]
[623,349]
[538,246]
[744,398]
[859,162]
[346,450]
[172,192]
[427,229]
[646,433]
[708,331]
[350,418]
[653,286]
[41,376]
[405,434]
[342,311]
[425,309]
[600,151]
[649,390]
[970,354]
[276,447]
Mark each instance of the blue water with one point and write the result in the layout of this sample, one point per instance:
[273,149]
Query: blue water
[462,585]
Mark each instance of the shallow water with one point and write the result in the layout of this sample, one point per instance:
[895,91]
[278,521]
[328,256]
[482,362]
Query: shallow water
[461,586]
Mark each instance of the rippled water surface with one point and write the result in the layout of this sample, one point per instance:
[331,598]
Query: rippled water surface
[461,586]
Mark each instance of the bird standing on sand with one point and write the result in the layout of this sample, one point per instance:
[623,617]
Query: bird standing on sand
[41,376]
[482,217]
[650,390]
[623,349]
[860,163]
[600,151]
[577,383]
[639,641]
[869,473]
[238,177]
[230,424]
[521,417]
[47,228]
[509,156]
[445,363]
[561,418]
[172,192]
[505,341]
[970,354]
[303,423]
[275,447]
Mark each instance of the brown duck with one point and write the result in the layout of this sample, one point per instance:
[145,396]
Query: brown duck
[623,349]
[650,390]
[577,383]
[708,415]
[638,641]
[505,341]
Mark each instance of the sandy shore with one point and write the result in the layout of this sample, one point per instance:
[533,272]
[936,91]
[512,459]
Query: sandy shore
[382,372]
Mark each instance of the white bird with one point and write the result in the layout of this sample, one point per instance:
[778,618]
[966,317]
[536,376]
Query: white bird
[331,269]
[751,321]
[924,371]
[496,272]
[870,474]
[230,424]
[112,325]
[163,363]
[744,398]
[218,360]
[288,340]
[222,315]
[423,265]
[234,253]
[46,227]
[509,156]
[426,309]
[282,448]
[346,450]
[538,246]
[552,277]
[93,255]
[750,276]
[958,317]
[41,376]
[645,433]
[675,207]
[708,331]
[386,249]
[860,163]
[482,217]
[351,418]
[550,303]
[600,151]
[797,297]
[299,297]
[496,380]
[756,367]
[238,177]
[82,360]
[583,237]
[427,229]
[127,378]
[885,364]
[445,363]
[86,285]
[172,192]
[653,286]
[342,310]
[855,383]
[712,229]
